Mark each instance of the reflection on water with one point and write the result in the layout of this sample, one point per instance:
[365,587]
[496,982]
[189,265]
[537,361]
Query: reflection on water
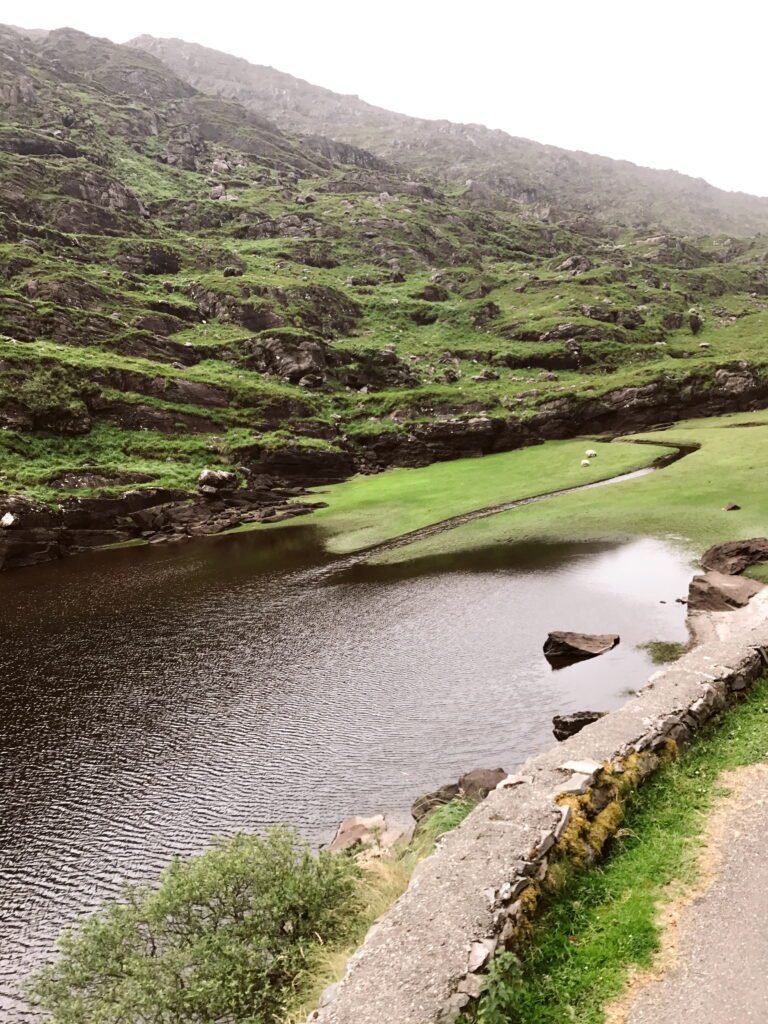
[150,698]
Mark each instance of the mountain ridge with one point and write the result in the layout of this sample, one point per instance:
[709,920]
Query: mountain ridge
[506,170]
[185,285]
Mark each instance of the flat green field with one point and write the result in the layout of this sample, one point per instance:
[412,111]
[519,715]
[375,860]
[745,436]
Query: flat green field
[684,501]
[368,510]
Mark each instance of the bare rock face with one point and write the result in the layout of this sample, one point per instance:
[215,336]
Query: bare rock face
[719,592]
[735,555]
[574,646]
[565,726]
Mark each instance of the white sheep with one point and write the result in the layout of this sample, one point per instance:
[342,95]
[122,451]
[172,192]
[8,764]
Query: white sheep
[591,453]
[586,462]
[8,520]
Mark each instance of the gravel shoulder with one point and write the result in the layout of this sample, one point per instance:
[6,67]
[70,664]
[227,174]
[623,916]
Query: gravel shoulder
[713,964]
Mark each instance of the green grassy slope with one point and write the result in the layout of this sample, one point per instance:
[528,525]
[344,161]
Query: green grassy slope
[181,283]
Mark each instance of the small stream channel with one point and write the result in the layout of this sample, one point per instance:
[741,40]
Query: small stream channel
[153,697]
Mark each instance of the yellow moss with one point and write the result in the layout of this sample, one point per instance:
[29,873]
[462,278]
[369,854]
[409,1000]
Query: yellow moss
[605,825]
[528,905]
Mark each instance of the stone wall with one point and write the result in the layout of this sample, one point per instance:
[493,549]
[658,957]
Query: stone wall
[423,961]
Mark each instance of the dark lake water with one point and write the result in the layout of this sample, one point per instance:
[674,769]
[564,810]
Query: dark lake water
[152,697]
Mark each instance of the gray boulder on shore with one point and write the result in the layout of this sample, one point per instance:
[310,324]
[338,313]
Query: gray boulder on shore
[474,786]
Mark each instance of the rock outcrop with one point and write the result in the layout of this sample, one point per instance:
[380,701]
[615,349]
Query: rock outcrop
[217,482]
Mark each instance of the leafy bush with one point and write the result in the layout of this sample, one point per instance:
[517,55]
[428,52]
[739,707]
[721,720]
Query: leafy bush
[227,936]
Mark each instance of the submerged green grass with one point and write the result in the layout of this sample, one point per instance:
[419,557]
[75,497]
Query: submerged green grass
[369,510]
[604,921]
[663,651]
[684,501]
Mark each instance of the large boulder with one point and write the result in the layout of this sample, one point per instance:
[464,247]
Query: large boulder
[424,805]
[576,264]
[719,592]
[562,645]
[565,726]
[289,358]
[215,482]
[735,555]
[473,786]
[375,834]
[478,783]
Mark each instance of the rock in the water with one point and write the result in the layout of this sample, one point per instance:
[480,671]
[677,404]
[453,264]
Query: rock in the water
[735,555]
[473,786]
[424,805]
[565,726]
[477,784]
[375,834]
[561,645]
[719,592]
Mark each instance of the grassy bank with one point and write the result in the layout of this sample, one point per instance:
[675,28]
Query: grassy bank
[603,922]
[383,881]
[254,928]
[368,510]
[684,501]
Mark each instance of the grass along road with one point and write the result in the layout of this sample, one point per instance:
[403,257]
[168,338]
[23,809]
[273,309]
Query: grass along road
[604,922]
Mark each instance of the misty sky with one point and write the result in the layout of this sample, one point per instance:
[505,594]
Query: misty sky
[677,84]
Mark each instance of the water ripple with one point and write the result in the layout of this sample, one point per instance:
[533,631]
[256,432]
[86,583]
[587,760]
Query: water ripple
[151,699]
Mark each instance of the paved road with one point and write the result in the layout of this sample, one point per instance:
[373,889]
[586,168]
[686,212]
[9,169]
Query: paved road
[718,971]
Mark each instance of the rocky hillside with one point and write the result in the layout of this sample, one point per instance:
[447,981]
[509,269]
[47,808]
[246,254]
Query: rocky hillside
[504,170]
[185,285]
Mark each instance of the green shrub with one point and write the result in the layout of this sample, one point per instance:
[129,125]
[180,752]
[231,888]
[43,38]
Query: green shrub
[227,936]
